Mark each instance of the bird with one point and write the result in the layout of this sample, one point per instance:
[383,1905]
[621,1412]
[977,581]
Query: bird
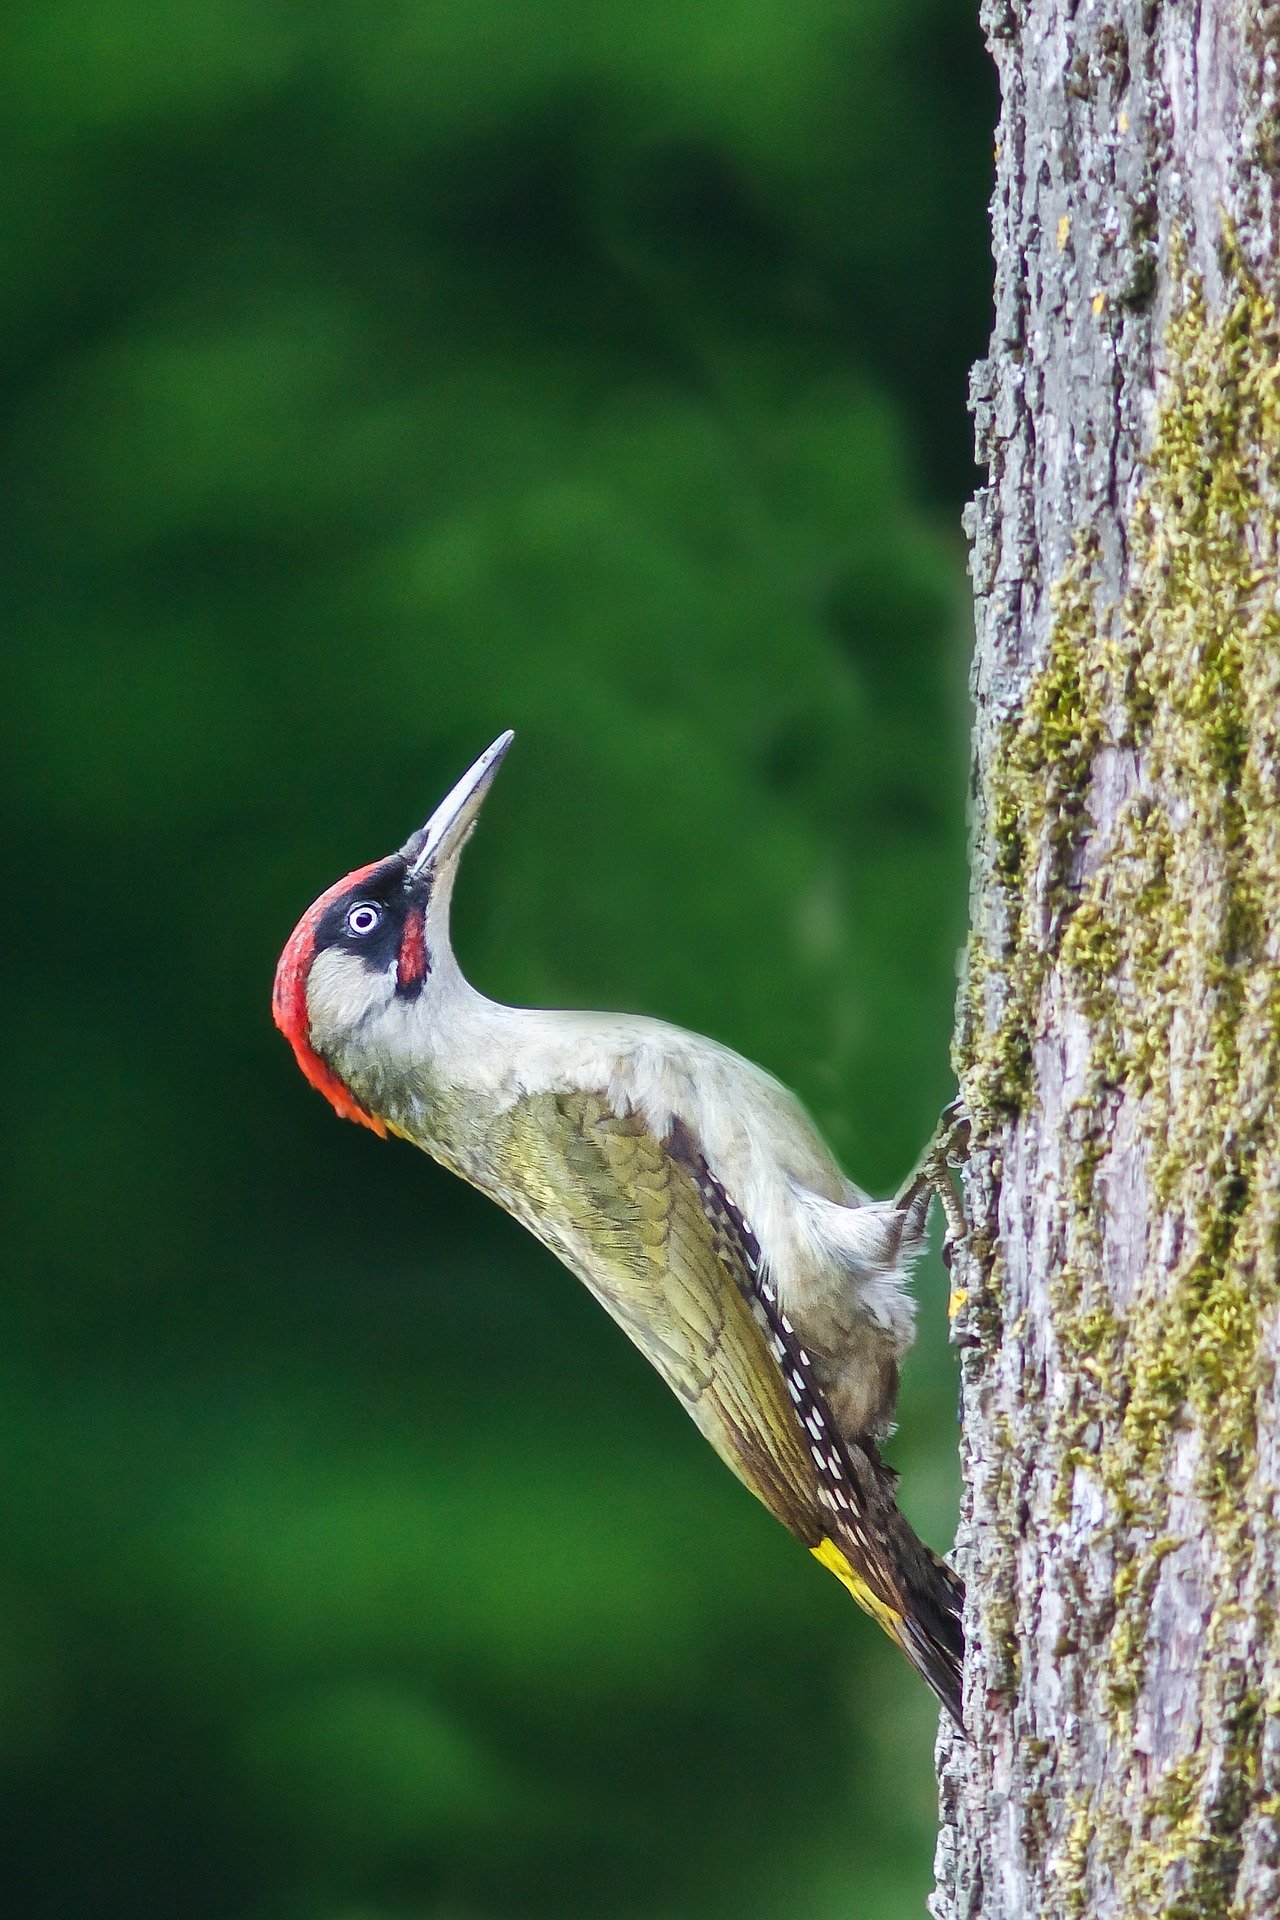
[685,1186]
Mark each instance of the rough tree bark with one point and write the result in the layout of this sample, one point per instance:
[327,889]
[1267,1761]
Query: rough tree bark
[1119,1035]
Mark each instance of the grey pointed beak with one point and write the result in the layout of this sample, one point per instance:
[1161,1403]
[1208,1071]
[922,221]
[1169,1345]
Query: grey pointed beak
[442,837]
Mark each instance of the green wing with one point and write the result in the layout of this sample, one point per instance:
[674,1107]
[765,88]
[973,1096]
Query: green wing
[648,1228]
[626,1215]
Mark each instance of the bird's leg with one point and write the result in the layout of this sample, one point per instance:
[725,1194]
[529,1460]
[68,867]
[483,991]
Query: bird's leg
[932,1177]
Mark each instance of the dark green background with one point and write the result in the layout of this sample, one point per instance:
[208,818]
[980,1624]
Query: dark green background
[376,377]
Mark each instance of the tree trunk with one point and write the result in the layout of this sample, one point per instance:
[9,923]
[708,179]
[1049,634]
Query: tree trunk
[1118,1300]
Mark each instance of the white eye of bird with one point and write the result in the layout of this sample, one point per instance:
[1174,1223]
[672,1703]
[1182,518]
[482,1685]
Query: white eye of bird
[364,918]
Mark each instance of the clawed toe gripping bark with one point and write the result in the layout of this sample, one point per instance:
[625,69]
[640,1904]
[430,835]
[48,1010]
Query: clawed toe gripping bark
[932,1179]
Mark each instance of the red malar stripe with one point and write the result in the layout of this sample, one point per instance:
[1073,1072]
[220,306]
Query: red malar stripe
[289,1005]
[411,968]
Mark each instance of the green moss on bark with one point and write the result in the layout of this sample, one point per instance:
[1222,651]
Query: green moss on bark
[1035,818]
[1161,933]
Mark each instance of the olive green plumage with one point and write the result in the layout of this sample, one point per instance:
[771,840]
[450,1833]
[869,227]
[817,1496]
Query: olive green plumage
[625,1216]
[644,1226]
[686,1188]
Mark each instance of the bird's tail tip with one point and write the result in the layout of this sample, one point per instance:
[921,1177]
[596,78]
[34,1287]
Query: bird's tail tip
[932,1630]
[939,1664]
[924,1616]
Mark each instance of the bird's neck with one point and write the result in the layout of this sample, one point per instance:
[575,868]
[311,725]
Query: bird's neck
[444,1065]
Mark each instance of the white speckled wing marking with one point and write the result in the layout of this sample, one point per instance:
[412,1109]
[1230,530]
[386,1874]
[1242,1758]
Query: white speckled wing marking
[646,1225]
[841,1498]
[915,1596]
[625,1215]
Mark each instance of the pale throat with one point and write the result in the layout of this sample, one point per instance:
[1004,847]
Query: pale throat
[418,1062]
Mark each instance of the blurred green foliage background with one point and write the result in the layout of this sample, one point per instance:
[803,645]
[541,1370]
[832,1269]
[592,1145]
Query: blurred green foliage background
[377,376]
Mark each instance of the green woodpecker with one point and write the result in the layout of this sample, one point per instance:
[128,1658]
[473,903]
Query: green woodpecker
[686,1188]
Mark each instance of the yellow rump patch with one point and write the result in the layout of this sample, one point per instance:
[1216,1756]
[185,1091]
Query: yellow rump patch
[833,1559]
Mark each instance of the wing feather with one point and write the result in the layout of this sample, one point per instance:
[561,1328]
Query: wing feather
[627,1217]
[648,1228]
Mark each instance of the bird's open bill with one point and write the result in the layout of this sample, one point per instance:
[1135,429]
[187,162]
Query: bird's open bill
[457,813]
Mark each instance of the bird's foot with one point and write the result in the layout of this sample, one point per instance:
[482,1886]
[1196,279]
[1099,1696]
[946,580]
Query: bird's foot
[932,1179]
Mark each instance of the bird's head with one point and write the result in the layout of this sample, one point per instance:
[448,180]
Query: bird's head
[367,949]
